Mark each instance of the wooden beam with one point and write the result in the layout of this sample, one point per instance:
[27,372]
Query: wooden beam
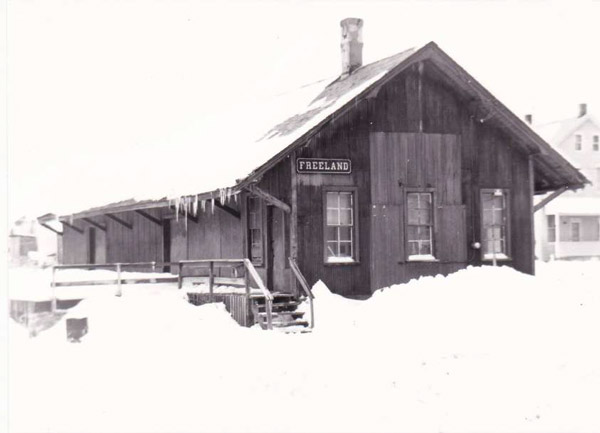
[256,191]
[95,224]
[51,229]
[72,226]
[120,221]
[548,199]
[229,210]
[149,217]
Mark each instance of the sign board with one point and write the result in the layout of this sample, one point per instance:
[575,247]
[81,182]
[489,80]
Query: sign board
[323,166]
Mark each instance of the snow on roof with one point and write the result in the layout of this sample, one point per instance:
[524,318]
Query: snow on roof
[574,206]
[227,146]
[555,132]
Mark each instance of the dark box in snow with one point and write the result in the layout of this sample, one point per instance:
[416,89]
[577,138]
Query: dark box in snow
[76,328]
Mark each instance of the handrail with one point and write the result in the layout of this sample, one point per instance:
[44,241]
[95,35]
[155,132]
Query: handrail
[210,263]
[267,294]
[304,285]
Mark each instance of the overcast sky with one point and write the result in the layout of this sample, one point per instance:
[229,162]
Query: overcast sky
[93,85]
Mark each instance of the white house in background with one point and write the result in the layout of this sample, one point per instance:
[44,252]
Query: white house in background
[569,225]
[31,244]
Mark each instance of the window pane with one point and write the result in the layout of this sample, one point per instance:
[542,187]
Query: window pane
[413,216]
[346,217]
[487,217]
[498,216]
[413,248]
[345,249]
[425,248]
[332,250]
[498,202]
[333,217]
[346,200]
[332,200]
[332,233]
[424,234]
[425,217]
[411,233]
[425,201]
[345,233]
[486,200]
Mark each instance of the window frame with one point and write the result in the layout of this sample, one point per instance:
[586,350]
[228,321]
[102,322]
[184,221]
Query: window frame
[596,142]
[553,227]
[578,142]
[572,223]
[355,225]
[261,227]
[432,191]
[507,207]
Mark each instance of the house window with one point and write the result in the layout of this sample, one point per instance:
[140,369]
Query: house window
[255,237]
[494,204]
[551,228]
[340,227]
[419,227]
[596,143]
[575,231]
[578,142]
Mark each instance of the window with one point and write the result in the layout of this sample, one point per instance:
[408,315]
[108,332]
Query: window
[494,204]
[578,141]
[596,143]
[419,227]
[340,228]
[551,228]
[575,230]
[255,238]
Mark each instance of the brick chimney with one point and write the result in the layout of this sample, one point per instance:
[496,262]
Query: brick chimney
[529,119]
[582,110]
[351,45]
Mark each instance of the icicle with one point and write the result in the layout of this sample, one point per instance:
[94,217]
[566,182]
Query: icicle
[203,205]
[235,197]
[213,205]
[195,206]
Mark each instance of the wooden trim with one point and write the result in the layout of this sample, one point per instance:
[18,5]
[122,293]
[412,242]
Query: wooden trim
[548,199]
[260,193]
[120,221]
[46,226]
[355,224]
[149,217]
[294,206]
[94,223]
[73,227]
[262,224]
[231,211]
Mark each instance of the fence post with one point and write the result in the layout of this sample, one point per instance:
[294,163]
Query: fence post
[179,276]
[119,291]
[53,303]
[269,310]
[211,279]
[247,286]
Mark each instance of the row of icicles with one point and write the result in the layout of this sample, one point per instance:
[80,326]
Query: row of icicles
[188,205]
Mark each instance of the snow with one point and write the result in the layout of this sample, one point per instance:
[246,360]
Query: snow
[497,256]
[422,258]
[340,260]
[484,349]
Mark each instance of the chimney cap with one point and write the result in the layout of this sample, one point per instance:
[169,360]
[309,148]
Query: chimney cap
[529,119]
[582,109]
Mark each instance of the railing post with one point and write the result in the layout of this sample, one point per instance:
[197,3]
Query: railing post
[53,303]
[269,310]
[211,279]
[179,276]
[119,291]
[247,287]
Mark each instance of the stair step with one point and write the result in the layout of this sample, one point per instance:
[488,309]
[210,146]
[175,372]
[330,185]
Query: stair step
[294,314]
[303,323]
[280,306]
[276,295]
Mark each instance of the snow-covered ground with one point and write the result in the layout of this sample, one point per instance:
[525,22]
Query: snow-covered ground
[484,349]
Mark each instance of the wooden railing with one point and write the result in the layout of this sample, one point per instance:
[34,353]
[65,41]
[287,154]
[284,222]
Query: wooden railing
[249,273]
[305,288]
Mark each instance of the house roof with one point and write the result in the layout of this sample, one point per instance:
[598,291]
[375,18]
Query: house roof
[300,114]
[573,206]
[556,132]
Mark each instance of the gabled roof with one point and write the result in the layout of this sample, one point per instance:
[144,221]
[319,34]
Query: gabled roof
[321,103]
[556,132]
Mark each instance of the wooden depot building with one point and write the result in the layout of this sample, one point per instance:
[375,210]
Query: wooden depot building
[397,169]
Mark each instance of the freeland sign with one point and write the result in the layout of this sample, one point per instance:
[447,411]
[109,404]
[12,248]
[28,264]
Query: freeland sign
[323,166]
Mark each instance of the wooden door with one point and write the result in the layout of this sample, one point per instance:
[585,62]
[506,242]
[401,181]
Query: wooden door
[276,260]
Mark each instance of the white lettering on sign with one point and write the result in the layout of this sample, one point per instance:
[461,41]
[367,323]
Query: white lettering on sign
[323,166]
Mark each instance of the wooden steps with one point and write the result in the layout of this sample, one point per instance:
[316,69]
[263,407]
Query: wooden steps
[284,315]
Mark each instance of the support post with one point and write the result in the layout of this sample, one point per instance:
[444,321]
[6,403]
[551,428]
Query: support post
[211,279]
[53,306]
[269,310]
[294,217]
[247,287]
[119,290]
[179,276]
